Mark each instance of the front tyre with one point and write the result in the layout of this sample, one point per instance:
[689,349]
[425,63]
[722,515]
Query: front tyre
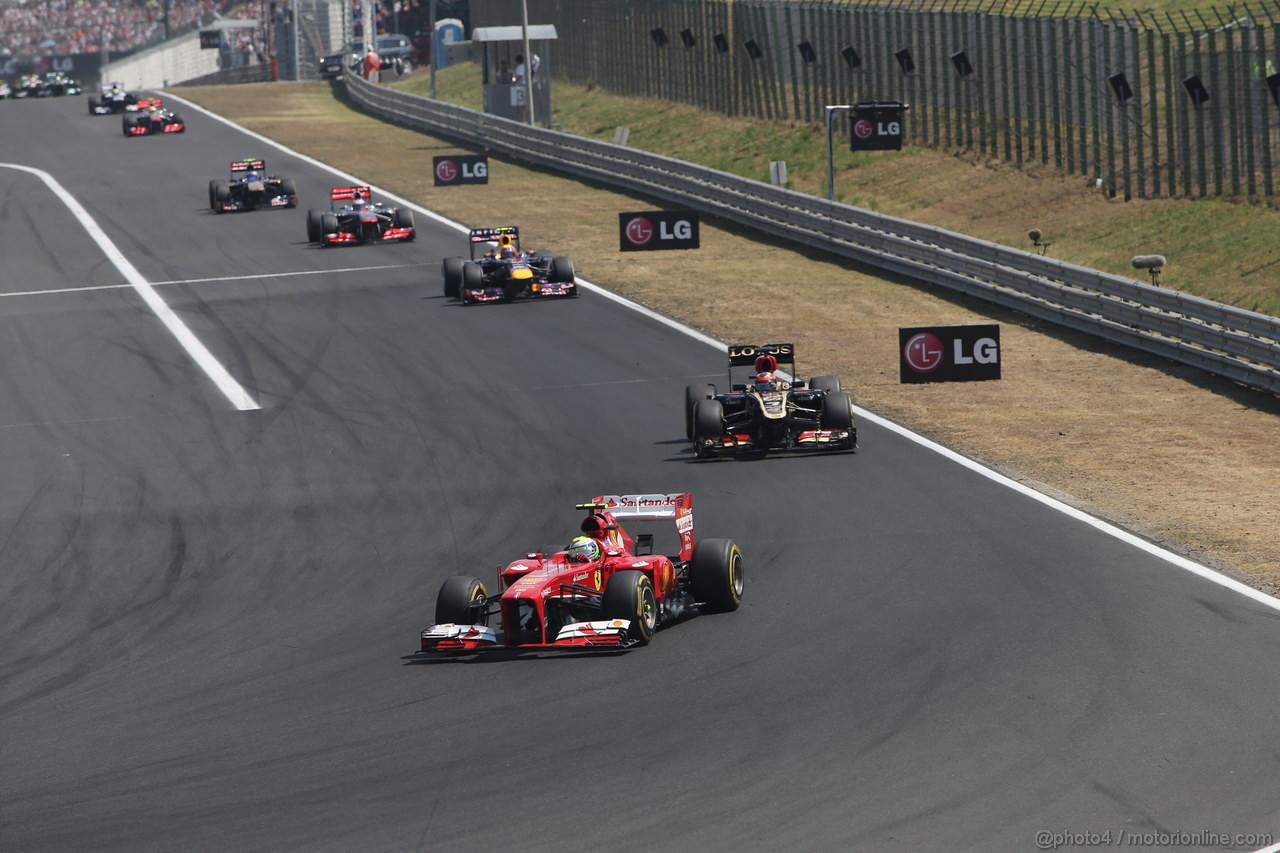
[715,575]
[462,601]
[561,270]
[692,394]
[451,272]
[629,595]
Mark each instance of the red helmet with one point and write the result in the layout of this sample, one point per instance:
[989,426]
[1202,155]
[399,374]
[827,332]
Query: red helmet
[766,364]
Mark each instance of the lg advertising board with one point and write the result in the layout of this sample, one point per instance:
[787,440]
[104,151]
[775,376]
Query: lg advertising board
[451,169]
[647,231]
[876,126]
[948,353]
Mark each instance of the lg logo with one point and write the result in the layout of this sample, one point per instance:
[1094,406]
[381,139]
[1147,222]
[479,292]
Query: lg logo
[949,353]
[640,231]
[658,230]
[472,169]
[923,352]
[863,129]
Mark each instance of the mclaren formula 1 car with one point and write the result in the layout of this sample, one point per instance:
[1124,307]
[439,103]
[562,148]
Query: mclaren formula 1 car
[150,118]
[606,591]
[113,99]
[499,270]
[354,217]
[768,412]
[251,187]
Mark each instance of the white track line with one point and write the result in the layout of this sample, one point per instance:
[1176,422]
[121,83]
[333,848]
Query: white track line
[1211,575]
[230,388]
[92,287]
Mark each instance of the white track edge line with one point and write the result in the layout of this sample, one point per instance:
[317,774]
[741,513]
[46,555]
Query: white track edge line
[230,388]
[1184,563]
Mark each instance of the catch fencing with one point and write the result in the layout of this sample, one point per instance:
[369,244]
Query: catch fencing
[1240,345]
[1151,106]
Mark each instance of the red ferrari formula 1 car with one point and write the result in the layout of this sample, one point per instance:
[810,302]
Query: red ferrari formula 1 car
[151,118]
[354,217]
[606,591]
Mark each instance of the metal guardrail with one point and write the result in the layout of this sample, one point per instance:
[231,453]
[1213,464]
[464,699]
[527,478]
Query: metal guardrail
[1240,345]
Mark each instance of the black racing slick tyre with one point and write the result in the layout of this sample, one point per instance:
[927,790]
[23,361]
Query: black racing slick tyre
[461,601]
[328,225]
[692,394]
[715,575]
[404,218]
[290,188]
[837,411]
[93,106]
[313,226]
[127,123]
[451,272]
[221,193]
[825,383]
[561,270]
[472,277]
[708,420]
[629,595]
[213,198]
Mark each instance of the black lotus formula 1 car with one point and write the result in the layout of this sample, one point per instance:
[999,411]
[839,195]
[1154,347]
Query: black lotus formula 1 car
[768,412]
[250,187]
[151,118]
[354,217]
[499,270]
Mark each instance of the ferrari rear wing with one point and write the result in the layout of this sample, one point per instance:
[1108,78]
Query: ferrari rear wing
[676,507]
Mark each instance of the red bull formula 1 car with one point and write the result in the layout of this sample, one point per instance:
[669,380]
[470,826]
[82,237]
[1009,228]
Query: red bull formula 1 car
[354,217]
[768,412]
[150,118]
[606,591]
[499,270]
[251,187]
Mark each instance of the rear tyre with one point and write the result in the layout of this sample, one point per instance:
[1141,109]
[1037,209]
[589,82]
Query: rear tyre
[629,595]
[825,383]
[708,420]
[692,394]
[461,601]
[715,575]
[313,226]
[561,270]
[451,272]
[290,188]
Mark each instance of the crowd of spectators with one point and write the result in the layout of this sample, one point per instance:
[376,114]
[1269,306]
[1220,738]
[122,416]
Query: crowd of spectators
[37,28]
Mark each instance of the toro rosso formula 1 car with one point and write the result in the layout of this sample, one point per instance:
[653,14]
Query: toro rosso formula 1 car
[607,591]
[251,187]
[112,99]
[151,117]
[500,271]
[768,412]
[355,218]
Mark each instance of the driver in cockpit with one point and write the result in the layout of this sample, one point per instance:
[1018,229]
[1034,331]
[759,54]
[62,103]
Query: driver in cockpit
[766,375]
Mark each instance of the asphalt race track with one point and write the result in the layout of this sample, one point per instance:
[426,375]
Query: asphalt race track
[206,613]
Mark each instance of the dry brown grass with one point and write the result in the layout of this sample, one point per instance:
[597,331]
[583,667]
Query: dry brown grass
[1182,458]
